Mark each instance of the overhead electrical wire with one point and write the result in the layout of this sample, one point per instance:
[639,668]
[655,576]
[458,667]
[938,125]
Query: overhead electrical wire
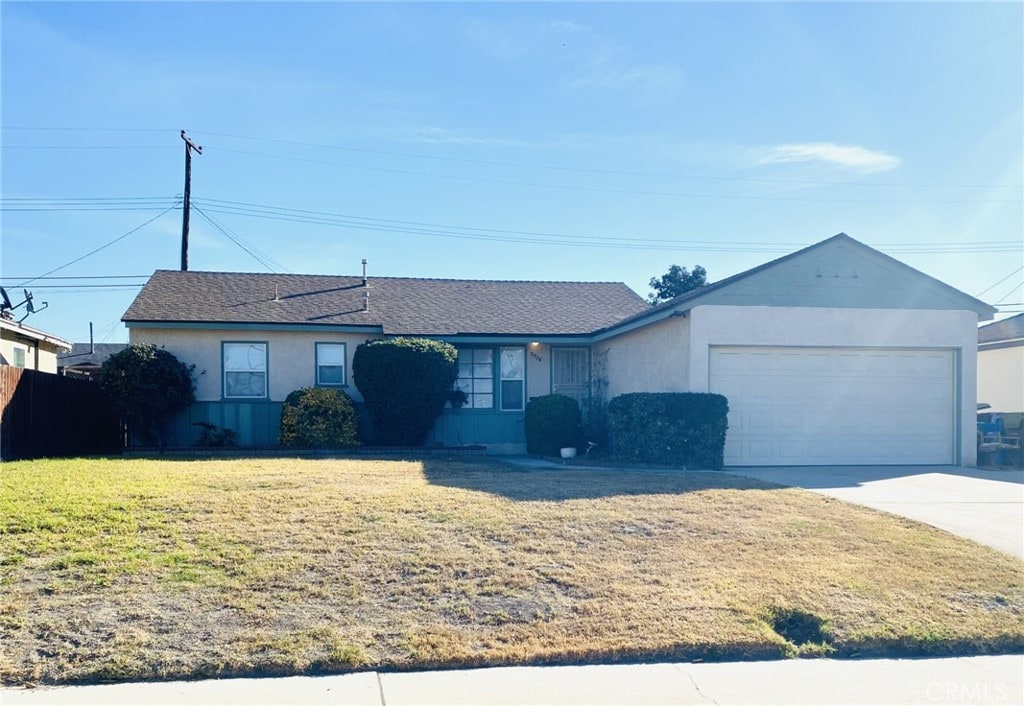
[327,218]
[250,249]
[522,165]
[991,287]
[102,247]
[504,235]
[572,187]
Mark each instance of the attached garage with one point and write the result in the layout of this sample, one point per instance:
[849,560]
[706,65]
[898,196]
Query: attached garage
[796,406]
[833,355]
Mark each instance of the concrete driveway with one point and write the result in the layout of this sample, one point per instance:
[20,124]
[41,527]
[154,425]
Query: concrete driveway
[983,505]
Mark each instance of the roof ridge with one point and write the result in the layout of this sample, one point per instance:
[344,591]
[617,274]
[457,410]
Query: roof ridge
[389,277]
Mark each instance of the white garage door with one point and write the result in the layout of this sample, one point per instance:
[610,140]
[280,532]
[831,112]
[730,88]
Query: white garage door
[809,406]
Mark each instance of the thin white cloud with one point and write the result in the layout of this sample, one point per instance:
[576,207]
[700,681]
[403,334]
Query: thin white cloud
[605,75]
[847,156]
[565,26]
[443,136]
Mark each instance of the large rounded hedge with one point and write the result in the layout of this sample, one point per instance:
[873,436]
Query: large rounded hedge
[318,418]
[552,423]
[147,386]
[405,383]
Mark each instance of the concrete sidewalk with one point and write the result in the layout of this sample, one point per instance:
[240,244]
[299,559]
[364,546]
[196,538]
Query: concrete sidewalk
[962,680]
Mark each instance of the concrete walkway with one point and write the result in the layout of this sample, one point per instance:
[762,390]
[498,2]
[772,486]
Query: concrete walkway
[965,680]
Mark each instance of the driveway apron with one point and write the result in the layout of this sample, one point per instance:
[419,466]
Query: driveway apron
[981,505]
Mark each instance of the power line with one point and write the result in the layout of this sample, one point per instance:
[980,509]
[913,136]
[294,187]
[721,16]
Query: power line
[82,277]
[86,147]
[635,192]
[520,165]
[85,129]
[102,247]
[661,175]
[1016,286]
[252,251]
[87,286]
[526,237]
[1000,281]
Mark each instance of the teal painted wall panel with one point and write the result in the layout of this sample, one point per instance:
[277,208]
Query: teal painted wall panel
[461,427]
[254,423]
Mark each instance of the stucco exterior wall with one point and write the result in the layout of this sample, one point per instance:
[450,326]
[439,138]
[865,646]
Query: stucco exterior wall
[291,356]
[804,326]
[1001,378]
[650,359]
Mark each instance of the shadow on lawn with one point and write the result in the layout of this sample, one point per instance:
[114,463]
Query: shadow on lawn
[554,484]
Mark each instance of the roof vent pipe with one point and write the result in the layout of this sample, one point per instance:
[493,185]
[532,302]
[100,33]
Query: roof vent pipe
[364,271]
[366,300]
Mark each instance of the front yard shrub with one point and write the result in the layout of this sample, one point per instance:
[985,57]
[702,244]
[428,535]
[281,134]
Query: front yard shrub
[405,383]
[147,386]
[552,423]
[318,418]
[671,428]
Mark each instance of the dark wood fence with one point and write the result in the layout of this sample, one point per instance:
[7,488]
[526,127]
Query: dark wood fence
[49,415]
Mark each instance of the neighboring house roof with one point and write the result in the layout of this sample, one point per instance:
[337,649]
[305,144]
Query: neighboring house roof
[86,354]
[34,334]
[397,305]
[708,293]
[1005,331]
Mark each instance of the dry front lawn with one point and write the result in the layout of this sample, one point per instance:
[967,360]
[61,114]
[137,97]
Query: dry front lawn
[134,569]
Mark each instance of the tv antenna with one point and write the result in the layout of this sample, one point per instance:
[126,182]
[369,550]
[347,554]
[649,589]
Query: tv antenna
[6,308]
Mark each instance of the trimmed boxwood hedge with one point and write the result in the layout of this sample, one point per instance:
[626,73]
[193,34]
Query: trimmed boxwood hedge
[552,423]
[318,418]
[405,383]
[671,428]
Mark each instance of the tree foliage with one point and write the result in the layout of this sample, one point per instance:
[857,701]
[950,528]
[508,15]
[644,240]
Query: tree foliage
[318,418]
[147,385]
[405,383]
[678,280]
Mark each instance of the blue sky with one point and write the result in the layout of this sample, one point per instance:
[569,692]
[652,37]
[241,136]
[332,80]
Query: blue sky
[504,141]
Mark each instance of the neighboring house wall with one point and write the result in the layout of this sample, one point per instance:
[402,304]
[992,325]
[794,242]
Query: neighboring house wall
[805,326]
[37,355]
[1001,378]
[650,359]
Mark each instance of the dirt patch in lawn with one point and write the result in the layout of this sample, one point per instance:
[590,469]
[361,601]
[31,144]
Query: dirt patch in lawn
[141,569]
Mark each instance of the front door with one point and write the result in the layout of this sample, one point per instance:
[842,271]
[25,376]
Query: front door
[570,373]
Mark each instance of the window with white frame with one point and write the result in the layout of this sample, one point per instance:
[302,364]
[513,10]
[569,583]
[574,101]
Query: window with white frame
[330,364]
[513,378]
[18,356]
[245,369]
[476,377]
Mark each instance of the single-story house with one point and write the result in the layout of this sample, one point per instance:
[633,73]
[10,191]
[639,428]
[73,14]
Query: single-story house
[85,359]
[1001,364]
[834,354]
[22,346]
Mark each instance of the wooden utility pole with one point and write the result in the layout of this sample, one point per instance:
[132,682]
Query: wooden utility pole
[187,206]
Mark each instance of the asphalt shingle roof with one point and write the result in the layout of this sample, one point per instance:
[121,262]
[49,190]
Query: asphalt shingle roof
[1005,330]
[84,354]
[398,305]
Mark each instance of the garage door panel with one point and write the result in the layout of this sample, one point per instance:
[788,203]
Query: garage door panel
[836,406]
